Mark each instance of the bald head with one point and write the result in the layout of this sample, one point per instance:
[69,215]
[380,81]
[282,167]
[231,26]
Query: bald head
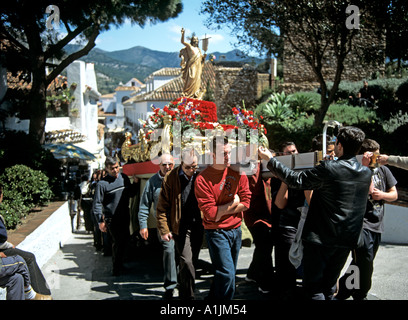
[166,163]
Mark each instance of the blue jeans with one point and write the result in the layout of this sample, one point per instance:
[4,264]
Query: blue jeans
[223,246]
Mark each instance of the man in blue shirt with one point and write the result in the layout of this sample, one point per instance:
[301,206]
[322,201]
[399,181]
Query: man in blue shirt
[111,209]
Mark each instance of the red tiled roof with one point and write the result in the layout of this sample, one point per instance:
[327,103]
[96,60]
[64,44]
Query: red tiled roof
[17,82]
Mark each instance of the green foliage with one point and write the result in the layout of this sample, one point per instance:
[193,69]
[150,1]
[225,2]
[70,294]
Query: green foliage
[305,101]
[21,148]
[285,116]
[13,211]
[296,121]
[349,115]
[396,121]
[23,189]
[402,92]
[58,102]
[275,109]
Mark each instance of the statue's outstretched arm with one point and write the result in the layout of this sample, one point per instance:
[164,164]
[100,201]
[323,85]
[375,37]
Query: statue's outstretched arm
[182,36]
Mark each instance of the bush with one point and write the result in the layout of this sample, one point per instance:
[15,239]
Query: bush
[402,92]
[349,115]
[21,148]
[23,189]
[307,102]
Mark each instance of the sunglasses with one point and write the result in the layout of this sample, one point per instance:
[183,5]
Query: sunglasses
[190,167]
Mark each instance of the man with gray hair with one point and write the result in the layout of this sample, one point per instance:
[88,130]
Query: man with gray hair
[151,196]
[179,218]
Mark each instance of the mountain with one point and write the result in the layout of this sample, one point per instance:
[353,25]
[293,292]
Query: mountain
[146,57]
[113,67]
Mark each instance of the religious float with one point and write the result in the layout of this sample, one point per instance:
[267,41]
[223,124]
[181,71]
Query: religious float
[189,123]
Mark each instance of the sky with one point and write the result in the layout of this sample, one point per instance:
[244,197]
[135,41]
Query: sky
[165,36]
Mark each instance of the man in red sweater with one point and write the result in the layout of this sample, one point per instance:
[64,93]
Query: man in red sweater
[223,195]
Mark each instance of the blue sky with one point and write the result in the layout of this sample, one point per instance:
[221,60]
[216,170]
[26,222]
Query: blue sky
[166,36]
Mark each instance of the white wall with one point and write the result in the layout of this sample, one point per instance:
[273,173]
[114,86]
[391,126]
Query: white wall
[50,236]
[57,124]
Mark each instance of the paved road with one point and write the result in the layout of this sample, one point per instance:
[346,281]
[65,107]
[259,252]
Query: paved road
[78,272]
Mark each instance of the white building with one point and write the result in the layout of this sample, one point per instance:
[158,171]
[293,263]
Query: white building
[111,109]
[86,97]
[162,87]
[81,129]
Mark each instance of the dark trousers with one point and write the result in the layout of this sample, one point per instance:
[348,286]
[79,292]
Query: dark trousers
[321,269]
[38,281]
[97,234]
[188,244]
[118,228]
[261,267]
[363,260]
[285,271]
[86,205]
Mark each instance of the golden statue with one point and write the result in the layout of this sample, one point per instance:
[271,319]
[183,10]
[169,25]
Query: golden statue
[127,149]
[144,147]
[192,62]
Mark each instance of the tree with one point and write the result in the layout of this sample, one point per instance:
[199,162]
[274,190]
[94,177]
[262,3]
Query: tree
[247,22]
[316,30]
[30,43]
[397,32]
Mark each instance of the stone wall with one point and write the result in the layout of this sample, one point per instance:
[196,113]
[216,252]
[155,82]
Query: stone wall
[298,74]
[233,85]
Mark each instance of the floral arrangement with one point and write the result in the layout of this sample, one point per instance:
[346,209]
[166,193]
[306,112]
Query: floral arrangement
[191,113]
[242,118]
[202,115]
[207,109]
[186,113]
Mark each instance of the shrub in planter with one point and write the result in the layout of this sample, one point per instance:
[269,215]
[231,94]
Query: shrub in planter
[13,211]
[24,189]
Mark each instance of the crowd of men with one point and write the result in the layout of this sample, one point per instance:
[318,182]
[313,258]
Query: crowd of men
[311,219]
